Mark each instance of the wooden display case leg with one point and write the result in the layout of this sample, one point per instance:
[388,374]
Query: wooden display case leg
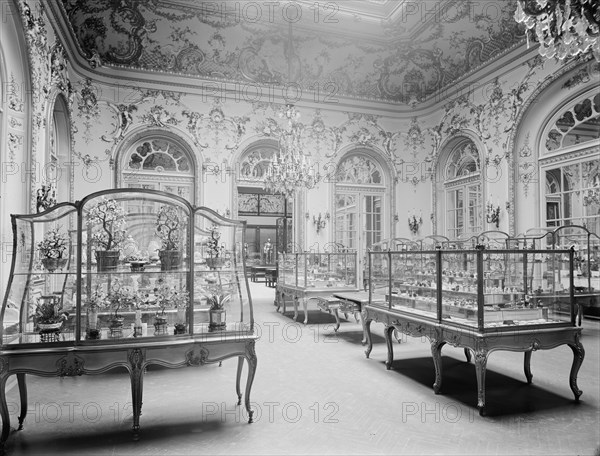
[252,363]
[21,381]
[337,319]
[136,374]
[295,307]
[527,366]
[367,335]
[238,377]
[436,353]
[305,307]
[468,355]
[390,347]
[578,355]
[277,300]
[283,302]
[480,368]
[4,412]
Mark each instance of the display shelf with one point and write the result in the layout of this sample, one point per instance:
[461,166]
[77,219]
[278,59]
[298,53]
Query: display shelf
[73,305]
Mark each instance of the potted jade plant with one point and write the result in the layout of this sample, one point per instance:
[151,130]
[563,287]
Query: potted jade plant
[216,298]
[49,318]
[168,229]
[215,257]
[107,221]
[52,249]
[180,300]
[120,297]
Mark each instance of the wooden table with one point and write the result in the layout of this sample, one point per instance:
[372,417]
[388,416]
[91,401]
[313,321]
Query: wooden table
[271,276]
[354,302]
[524,340]
[133,355]
[305,294]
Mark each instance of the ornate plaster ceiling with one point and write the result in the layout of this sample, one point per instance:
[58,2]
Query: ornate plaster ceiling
[384,50]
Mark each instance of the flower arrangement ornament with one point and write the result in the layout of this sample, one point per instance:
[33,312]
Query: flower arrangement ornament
[107,218]
[54,244]
[167,296]
[216,297]
[168,223]
[121,297]
[48,312]
[214,250]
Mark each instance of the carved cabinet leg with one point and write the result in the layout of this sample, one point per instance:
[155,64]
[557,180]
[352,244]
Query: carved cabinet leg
[337,319]
[578,355]
[367,335]
[436,353]
[4,412]
[305,307]
[480,367]
[277,300]
[468,355]
[295,300]
[23,397]
[390,347]
[527,366]
[252,363]
[238,377]
[136,374]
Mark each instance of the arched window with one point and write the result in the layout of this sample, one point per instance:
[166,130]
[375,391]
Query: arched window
[268,217]
[463,192]
[160,163]
[570,165]
[360,201]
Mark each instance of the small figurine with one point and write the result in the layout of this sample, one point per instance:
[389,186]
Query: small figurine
[268,251]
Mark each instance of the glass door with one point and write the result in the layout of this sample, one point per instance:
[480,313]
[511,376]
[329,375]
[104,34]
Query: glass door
[359,222]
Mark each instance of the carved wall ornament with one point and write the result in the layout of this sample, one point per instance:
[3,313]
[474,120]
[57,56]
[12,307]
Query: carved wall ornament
[124,114]
[15,146]
[158,116]
[15,100]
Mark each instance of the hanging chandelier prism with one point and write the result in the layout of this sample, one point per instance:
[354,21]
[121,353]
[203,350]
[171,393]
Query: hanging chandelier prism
[564,28]
[290,169]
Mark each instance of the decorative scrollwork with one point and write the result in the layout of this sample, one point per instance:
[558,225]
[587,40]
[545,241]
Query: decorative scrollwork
[193,359]
[136,359]
[70,366]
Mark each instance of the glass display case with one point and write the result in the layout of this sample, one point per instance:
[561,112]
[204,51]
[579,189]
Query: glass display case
[122,266]
[124,269]
[480,299]
[478,288]
[306,275]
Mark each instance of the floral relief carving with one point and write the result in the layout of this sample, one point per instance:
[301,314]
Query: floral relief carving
[159,117]
[124,120]
[88,106]
[15,101]
[15,146]
[415,138]
[216,127]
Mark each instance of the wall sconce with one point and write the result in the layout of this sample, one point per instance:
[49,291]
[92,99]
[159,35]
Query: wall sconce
[492,213]
[414,223]
[46,197]
[321,221]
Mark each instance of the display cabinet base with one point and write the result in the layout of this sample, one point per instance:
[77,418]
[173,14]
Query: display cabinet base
[480,343]
[305,294]
[75,361]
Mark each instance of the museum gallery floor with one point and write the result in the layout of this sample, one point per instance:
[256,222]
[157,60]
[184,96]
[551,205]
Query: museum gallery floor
[316,393]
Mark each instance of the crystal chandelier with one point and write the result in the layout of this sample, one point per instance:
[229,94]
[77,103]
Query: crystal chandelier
[289,170]
[564,28]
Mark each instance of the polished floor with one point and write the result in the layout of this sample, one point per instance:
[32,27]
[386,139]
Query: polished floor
[316,393]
